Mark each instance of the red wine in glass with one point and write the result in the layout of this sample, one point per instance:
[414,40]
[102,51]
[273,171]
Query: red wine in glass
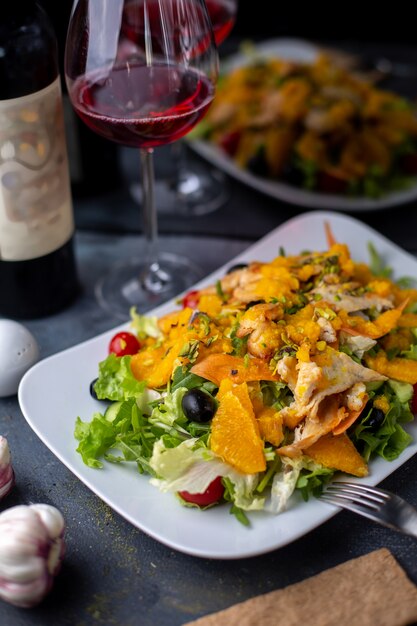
[223,16]
[136,75]
[170,101]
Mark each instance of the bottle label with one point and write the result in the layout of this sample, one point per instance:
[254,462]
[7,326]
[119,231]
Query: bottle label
[36,215]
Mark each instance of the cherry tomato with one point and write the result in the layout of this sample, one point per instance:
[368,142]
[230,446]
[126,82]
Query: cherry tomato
[191,299]
[124,343]
[329,183]
[409,163]
[211,495]
[414,400]
[230,142]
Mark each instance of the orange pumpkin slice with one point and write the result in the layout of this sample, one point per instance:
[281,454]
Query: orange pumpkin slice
[216,367]
[339,453]
[234,430]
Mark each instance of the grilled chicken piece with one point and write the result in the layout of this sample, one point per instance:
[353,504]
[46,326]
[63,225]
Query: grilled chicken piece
[340,298]
[264,335]
[235,280]
[317,398]
[327,332]
[257,314]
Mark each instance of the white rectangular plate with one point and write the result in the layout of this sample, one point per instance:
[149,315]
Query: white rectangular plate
[56,390]
[305,52]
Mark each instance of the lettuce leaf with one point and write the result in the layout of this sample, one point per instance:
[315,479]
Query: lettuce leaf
[389,439]
[192,467]
[144,326]
[95,438]
[298,473]
[116,381]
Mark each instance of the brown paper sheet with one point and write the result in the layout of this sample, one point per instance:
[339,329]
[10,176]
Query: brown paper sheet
[372,590]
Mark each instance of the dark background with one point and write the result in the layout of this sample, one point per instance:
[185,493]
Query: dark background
[268,18]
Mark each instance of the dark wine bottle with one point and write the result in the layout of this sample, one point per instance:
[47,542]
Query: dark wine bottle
[93,160]
[38,274]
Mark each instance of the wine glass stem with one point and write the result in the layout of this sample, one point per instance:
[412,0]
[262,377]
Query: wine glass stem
[153,279]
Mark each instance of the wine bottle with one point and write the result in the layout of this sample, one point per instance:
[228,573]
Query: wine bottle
[94,161]
[38,274]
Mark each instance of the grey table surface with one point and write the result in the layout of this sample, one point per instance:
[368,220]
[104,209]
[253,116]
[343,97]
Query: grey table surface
[114,574]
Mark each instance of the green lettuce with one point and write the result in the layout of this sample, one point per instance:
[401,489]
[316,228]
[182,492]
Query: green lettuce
[192,467]
[144,326]
[116,381]
[298,473]
[388,439]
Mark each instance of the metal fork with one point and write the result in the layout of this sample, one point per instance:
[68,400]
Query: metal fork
[377,504]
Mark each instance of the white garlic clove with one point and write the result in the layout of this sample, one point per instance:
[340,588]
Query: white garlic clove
[6,469]
[31,550]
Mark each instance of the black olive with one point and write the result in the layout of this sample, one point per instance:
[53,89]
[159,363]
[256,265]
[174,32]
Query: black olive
[293,175]
[375,419]
[257,164]
[235,268]
[253,303]
[92,390]
[198,406]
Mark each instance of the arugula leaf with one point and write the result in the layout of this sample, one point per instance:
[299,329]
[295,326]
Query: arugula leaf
[312,482]
[184,378]
[276,394]
[376,264]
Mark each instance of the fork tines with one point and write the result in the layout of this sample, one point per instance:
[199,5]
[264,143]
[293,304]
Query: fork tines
[341,491]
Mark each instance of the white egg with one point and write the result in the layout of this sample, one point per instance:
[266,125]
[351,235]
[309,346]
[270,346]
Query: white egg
[18,352]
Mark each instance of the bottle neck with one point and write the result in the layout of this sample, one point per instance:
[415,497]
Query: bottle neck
[28,49]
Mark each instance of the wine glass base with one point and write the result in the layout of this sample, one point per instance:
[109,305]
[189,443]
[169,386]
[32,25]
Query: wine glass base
[127,284]
[195,193]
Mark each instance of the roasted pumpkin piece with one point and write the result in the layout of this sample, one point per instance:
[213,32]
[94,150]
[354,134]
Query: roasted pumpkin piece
[234,430]
[216,367]
[338,453]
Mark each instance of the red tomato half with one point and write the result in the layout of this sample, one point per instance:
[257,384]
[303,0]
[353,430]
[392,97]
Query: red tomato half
[124,343]
[211,495]
[191,299]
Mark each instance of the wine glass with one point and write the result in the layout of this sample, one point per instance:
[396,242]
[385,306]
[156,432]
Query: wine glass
[204,191]
[142,92]
[194,190]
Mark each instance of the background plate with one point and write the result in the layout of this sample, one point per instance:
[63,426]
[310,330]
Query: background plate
[56,390]
[297,50]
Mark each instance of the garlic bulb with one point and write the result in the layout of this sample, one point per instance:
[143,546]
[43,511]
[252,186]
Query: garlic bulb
[6,469]
[31,550]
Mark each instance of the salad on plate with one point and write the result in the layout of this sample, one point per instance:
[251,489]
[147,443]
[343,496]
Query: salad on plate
[268,382]
[317,126]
